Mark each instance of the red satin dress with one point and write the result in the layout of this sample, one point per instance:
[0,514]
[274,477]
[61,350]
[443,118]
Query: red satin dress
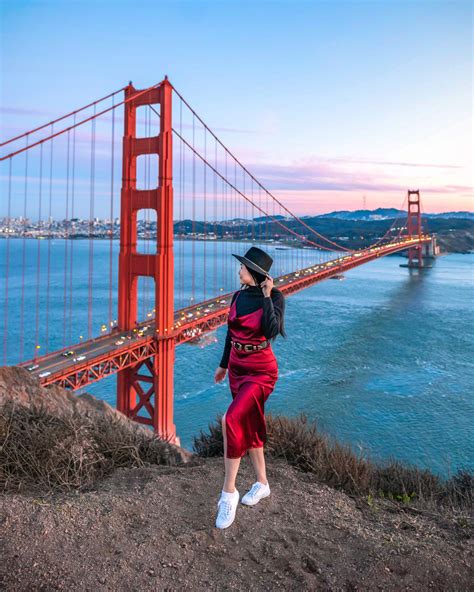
[252,377]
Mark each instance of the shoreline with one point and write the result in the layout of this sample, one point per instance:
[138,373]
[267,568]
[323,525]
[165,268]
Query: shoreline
[183,239]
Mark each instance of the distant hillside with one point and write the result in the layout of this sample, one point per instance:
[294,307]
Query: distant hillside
[354,229]
[386,214]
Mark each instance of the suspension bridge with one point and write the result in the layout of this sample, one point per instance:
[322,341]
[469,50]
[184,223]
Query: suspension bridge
[148,206]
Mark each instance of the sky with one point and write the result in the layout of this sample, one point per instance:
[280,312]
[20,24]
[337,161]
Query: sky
[332,105]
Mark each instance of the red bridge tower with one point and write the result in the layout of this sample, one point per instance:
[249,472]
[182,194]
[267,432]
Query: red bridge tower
[415,254]
[148,385]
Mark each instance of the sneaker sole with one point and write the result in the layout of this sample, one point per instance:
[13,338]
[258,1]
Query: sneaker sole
[254,503]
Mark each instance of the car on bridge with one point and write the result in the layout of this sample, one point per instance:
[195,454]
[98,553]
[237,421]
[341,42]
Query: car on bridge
[34,367]
[44,374]
[68,353]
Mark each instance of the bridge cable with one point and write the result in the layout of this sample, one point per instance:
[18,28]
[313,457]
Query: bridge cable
[7,265]
[48,290]
[73,195]
[341,247]
[25,210]
[82,122]
[66,235]
[244,196]
[61,118]
[38,255]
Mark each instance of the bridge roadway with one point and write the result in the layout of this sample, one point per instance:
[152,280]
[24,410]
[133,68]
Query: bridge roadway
[91,360]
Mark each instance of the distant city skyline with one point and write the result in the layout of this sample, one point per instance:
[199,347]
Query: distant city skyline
[332,106]
[151,221]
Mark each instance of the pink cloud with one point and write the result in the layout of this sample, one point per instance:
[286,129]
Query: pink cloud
[395,163]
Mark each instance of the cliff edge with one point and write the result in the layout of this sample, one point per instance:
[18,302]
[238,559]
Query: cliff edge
[151,527]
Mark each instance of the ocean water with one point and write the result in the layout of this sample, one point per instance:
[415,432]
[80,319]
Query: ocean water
[382,361]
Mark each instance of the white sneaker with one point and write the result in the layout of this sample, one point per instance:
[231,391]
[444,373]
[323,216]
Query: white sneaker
[256,493]
[227,506]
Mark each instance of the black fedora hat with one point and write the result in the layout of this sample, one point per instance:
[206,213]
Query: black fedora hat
[256,259]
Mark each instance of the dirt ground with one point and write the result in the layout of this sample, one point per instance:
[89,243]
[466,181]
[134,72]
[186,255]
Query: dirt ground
[153,528]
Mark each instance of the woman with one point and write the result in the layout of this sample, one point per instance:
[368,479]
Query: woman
[256,317]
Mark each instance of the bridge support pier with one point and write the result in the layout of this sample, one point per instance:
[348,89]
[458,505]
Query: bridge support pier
[148,386]
[431,249]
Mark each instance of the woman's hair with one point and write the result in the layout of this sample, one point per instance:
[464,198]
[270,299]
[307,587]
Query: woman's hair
[259,278]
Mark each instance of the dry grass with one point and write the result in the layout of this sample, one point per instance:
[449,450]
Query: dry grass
[301,445]
[41,450]
[38,449]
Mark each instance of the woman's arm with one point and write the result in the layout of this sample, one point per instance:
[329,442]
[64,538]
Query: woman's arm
[226,354]
[273,310]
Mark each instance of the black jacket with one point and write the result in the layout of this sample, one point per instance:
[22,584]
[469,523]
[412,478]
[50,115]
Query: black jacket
[250,300]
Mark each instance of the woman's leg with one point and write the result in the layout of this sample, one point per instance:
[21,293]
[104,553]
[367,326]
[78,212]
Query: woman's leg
[258,461]
[244,425]
[231,464]
[256,452]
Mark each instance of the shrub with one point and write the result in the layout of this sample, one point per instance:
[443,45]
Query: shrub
[299,443]
[70,452]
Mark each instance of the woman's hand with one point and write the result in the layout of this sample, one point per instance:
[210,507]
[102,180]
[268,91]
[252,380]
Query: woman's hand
[220,374]
[267,286]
